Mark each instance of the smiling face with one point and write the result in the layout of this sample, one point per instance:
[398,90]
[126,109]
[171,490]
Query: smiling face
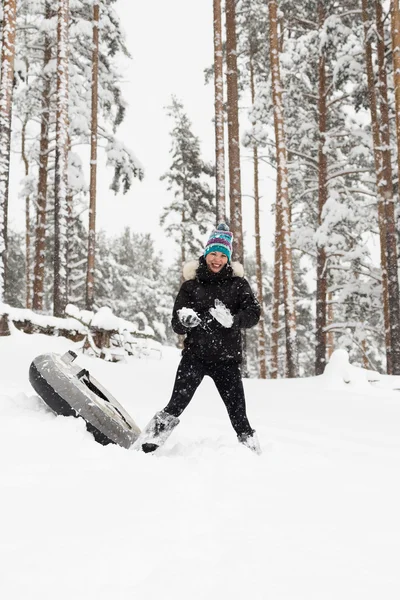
[216,261]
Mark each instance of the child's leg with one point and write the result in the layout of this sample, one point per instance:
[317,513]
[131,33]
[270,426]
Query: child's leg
[188,378]
[229,384]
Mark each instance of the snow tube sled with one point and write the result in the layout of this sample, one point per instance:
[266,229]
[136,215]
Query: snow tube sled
[70,390]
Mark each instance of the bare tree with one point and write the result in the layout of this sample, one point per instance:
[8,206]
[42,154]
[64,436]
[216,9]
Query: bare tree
[283,201]
[93,160]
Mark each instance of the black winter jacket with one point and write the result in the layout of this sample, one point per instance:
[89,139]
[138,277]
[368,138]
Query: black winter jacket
[211,341]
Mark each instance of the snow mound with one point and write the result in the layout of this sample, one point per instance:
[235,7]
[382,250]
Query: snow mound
[339,372]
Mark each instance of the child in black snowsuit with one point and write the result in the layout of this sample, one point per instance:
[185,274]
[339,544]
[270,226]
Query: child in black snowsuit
[212,306]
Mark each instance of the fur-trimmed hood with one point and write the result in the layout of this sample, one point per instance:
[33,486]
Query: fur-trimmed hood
[190,268]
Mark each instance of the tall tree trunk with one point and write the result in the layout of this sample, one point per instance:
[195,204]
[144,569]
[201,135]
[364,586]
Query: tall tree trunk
[93,162]
[281,156]
[61,179]
[376,139]
[28,227]
[395,22]
[181,338]
[387,191]
[364,348]
[28,261]
[262,362]
[219,114]
[41,208]
[276,286]
[235,192]
[320,334]
[262,359]
[329,335]
[70,246]
[6,94]
[183,244]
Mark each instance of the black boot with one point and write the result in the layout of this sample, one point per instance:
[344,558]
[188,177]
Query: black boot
[156,433]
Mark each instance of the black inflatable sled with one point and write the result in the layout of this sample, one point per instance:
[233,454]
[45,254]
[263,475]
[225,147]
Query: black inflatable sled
[70,390]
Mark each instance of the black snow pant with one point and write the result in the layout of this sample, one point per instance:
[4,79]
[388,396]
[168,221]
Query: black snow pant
[227,378]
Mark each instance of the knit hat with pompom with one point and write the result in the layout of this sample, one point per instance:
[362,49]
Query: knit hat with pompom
[220,241]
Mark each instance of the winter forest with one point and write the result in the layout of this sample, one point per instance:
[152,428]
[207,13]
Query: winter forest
[309,89]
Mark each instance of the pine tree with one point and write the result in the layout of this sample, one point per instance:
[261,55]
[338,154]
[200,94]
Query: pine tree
[395,30]
[256,351]
[192,213]
[133,282]
[235,191]
[36,98]
[93,160]
[61,166]
[285,220]
[219,114]
[382,158]
[346,214]
[6,94]
[252,50]
[42,198]
[15,293]
[387,192]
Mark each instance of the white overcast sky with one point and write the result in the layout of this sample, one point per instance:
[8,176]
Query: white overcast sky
[170,43]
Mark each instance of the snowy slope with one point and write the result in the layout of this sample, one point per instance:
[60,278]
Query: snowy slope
[316,517]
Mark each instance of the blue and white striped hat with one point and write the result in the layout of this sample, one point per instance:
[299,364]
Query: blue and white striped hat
[220,241]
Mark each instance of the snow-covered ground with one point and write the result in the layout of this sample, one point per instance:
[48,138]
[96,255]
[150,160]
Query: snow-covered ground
[316,517]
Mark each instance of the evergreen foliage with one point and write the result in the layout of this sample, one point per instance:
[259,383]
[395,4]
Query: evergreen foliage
[15,295]
[192,212]
[349,222]
[335,180]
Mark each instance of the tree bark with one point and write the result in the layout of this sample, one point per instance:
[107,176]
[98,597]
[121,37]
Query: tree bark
[235,193]
[93,162]
[388,196]
[281,155]
[329,335]
[183,244]
[364,348]
[28,261]
[181,338]
[320,334]
[262,362]
[41,204]
[61,179]
[219,114]
[69,280]
[6,94]
[395,22]
[376,139]
[276,286]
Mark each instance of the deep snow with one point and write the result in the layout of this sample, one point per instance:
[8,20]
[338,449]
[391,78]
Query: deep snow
[316,517]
